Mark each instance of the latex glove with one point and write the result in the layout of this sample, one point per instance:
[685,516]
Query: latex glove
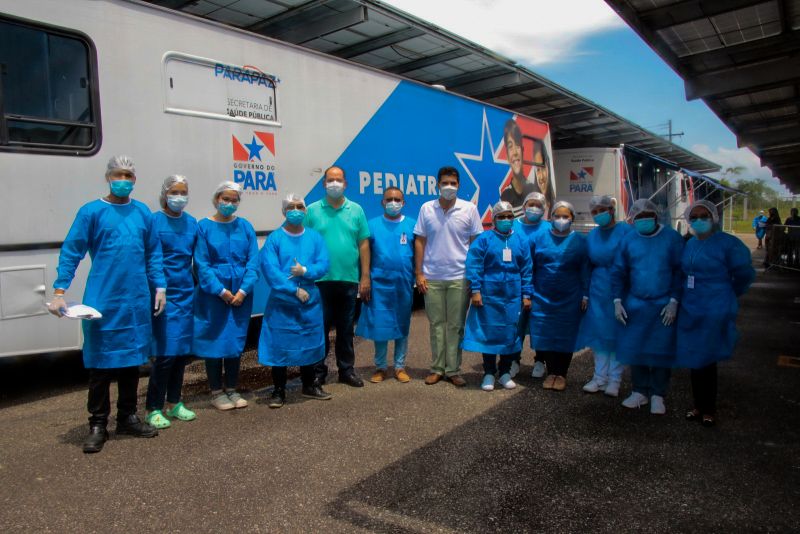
[365,288]
[302,295]
[297,269]
[57,306]
[227,297]
[526,304]
[238,299]
[584,304]
[422,283]
[619,312]
[477,299]
[161,303]
[669,312]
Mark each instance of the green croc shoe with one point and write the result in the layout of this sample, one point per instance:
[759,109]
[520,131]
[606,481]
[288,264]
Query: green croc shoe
[179,411]
[157,420]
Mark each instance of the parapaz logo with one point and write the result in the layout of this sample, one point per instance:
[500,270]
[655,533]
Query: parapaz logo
[254,162]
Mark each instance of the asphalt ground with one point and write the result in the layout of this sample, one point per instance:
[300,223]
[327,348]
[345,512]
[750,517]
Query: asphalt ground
[414,458]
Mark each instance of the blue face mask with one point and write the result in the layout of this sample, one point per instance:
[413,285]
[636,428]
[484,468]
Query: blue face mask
[177,202]
[602,219]
[393,208]
[534,214]
[295,217]
[227,209]
[701,226]
[645,226]
[503,225]
[121,188]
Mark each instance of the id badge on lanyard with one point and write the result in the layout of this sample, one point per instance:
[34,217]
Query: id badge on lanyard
[403,239]
[506,254]
[690,281]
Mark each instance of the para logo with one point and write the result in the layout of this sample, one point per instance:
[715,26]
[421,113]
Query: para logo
[581,181]
[254,163]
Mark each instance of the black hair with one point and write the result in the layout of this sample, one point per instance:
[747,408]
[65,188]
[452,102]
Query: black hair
[448,171]
[325,174]
[511,129]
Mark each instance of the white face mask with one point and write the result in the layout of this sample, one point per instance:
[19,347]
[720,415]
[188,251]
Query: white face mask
[448,192]
[334,189]
[562,224]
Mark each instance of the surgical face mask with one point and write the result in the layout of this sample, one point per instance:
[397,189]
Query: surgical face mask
[701,226]
[227,208]
[645,226]
[177,202]
[562,224]
[503,225]
[392,208]
[534,214]
[334,189]
[121,188]
[602,219]
[295,217]
[448,192]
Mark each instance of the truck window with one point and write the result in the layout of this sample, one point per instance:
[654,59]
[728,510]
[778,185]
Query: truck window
[48,90]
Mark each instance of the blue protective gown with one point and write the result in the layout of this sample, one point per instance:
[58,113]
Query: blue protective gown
[650,268]
[292,333]
[598,326]
[722,269]
[531,230]
[387,315]
[760,226]
[492,328]
[225,257]
[126,264]
[560,281]
[173,329]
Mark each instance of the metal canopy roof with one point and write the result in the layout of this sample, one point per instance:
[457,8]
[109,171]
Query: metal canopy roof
[742,57]
[380,36]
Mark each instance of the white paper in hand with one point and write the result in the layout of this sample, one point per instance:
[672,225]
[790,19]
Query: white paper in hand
[76,310]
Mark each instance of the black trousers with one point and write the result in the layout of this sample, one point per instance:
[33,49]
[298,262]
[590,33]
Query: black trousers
[338,311]
[490,366]
[99,403]
[166,379]
[704,389]
[306,375]
[557,362]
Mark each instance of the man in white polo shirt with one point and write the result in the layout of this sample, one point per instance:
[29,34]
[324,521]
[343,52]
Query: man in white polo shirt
[445,228]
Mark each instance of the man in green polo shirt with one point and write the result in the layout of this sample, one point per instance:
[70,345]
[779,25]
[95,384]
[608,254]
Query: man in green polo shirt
[344,228]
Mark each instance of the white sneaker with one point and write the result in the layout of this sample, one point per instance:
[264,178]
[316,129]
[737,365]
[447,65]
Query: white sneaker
[612,389]
[514,368]
[488,383]
[657,405]
[220,401]
[237,400]
[506,382]
[539,370]
[636,400]
[593,386]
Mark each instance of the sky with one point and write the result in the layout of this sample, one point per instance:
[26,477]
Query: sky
[584,46]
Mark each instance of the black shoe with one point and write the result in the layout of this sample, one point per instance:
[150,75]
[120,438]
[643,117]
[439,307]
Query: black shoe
[351,379]
[316,392]
[134,426]
[98,435]
[278,398]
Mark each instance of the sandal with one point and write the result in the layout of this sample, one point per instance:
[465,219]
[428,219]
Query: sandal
[180,411]
[693,415]
[157,420]
[708,420]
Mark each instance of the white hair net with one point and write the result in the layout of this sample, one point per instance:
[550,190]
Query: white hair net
[120,163]
[501,207]
[563,204]
[641,206]
[707,205]
[535,196]
[167,185]
[227,185]
[602,201]
[291,198]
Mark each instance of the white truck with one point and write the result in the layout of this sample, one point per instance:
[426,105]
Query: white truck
[83,80]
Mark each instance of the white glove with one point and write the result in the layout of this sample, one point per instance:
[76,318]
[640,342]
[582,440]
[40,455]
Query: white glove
[302,295]
[161,303]
[297,269]
[669,312]
[57,306]
[619,311]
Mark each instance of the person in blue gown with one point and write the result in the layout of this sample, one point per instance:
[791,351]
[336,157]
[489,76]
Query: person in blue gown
[646,288]
[386,316]
[760,227]
[530,224]
[598,326]
[116,231]
[499,275]
[717,269]
[172,330]
[226,265]
[560,293]
[292,332]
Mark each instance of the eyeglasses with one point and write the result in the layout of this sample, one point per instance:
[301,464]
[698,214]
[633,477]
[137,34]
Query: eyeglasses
[693,218]
[509,217]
